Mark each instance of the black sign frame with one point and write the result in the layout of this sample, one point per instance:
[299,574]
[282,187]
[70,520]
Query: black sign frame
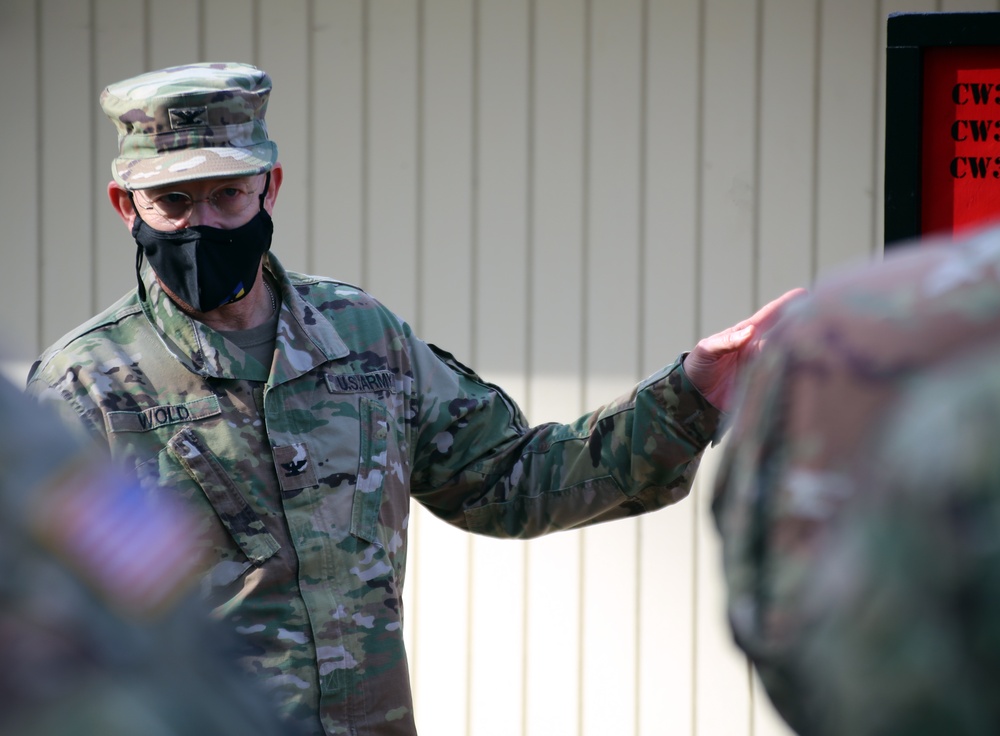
[908,35]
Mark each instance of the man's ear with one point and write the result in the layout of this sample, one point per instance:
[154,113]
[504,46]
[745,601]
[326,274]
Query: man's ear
[277,175]
[122,203]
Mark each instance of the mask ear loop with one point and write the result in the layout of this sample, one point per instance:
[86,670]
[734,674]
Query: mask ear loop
[267,185]
[138,250]
[263,193]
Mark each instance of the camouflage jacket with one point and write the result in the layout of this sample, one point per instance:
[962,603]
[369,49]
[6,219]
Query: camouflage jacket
[302,473]
[800,453]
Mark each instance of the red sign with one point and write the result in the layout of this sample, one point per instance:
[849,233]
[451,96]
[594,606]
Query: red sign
[960,162]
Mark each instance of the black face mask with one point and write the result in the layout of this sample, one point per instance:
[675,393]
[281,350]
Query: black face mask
[204,266]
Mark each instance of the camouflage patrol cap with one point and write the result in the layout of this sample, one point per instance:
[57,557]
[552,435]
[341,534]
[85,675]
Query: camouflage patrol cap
[196,121]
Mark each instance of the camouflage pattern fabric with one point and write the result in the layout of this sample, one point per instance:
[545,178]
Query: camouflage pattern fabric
[800,451]
[197,121]
[905,599]
[99,632]
[301,472]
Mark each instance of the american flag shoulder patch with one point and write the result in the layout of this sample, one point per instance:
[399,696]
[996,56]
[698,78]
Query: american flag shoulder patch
[136,552]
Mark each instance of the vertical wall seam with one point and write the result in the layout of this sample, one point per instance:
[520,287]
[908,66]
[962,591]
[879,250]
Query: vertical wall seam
[698,318]
[202,21]
[365,232]
[92,153]
[699,177]
[310,172]
[529,335]
[758,198]
[585,242]
[525,572]
[876,237]
[642,205]
[585,201]
[418,169]
[147,34]
[256,29]
[39,181]
[529,204]
[758,144]
[474,103]
[581,548]
[469,618]
[817,128]
[474,92]
[200,35]
[643,174]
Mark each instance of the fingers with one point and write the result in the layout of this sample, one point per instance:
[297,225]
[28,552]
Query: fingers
[767,314]
[739,335]
[715,360]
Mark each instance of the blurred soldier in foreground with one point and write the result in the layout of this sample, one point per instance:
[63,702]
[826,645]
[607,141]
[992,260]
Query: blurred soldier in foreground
[802,456]
[906,599]
[98,634]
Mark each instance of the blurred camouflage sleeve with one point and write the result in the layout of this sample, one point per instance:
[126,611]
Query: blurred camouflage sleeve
[481,467]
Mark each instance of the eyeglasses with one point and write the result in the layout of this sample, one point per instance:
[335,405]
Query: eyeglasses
[229,200]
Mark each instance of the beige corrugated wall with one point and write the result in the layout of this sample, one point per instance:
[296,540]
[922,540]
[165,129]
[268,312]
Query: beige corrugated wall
[563,193]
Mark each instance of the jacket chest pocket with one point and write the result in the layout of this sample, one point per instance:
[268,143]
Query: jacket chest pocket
[373,467]
[242,523]
[341,463]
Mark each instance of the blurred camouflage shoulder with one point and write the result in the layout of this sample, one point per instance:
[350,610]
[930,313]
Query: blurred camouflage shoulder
[811,408]
[100,629]
[904,602]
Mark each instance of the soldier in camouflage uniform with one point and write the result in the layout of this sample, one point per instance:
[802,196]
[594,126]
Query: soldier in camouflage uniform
[822,507]
[906,639]
[99,630]
[297,415]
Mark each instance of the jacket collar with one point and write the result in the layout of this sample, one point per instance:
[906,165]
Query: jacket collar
[305,339]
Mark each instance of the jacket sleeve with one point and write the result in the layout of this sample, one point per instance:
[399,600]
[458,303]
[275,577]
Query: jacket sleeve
[479,466]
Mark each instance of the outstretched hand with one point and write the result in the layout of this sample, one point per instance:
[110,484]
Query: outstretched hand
[716,361]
